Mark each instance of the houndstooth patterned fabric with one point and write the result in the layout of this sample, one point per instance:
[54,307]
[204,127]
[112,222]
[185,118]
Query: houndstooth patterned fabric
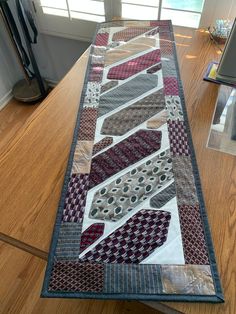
[134,241]
[76,198]
[178,138]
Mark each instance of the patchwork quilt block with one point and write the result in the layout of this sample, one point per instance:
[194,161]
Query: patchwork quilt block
[131,222]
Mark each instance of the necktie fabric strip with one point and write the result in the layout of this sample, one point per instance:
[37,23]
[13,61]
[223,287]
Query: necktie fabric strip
[131,223]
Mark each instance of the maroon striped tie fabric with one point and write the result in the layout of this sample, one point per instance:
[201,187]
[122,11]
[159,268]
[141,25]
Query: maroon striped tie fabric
[134,66]
[127,152]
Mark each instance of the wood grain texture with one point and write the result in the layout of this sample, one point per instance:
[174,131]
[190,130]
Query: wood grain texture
[33,164]
[21,280]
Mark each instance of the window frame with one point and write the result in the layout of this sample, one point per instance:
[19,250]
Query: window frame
[84,30]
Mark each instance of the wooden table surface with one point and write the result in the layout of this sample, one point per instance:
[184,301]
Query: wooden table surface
[34,162]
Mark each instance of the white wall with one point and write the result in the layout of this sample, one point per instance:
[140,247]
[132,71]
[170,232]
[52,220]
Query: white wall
[9,69]
[56,55]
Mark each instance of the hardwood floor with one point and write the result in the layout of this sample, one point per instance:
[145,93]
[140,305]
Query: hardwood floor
[12,118]
[21,279]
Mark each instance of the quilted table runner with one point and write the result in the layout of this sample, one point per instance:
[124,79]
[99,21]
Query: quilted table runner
[131,222]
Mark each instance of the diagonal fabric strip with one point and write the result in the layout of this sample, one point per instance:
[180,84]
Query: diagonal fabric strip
[105,142]
[124,154]
[154,69]
[90,235]
[163,197]
[108,86]
[157,121]
[128,50]
[124,93]
[126,119]
[134,66]
[129,33]
[118,198]
[134,241]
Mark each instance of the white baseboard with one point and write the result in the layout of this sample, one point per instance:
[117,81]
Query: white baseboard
[5,99]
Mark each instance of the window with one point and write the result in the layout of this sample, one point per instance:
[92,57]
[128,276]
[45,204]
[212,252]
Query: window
[69,18]
[90,10]
[78,18]
[181,12]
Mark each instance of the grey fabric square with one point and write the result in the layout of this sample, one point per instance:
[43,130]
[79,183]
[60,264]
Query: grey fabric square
[168,68]
[184,181]
[68,244]
[121,278]
[124,93]
[163,197]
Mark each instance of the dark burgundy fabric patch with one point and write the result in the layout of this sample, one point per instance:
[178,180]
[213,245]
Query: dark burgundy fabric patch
[101,39]
[90,235]
[134,66]
[195,250]
[88,122]
[178,138]
[76,198]
[127,152]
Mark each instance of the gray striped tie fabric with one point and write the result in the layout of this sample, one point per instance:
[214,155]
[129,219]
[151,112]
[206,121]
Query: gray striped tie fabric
[125,92]
[126,119]
[163,197]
